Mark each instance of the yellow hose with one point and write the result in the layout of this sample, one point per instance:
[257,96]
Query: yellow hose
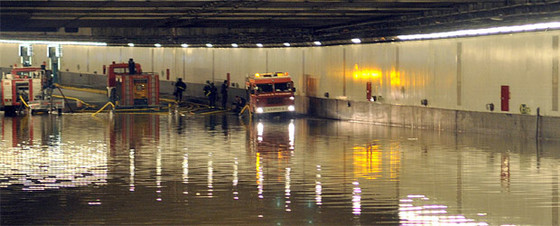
[76,99]
[108,103]
[23,101]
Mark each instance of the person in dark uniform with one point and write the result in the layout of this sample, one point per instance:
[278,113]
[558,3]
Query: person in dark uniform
[180,87]
[213,95]
[224,92]
[239,103]
[207,90]
[131,66]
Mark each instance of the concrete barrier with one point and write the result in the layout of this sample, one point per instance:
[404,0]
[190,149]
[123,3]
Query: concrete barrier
[421,117]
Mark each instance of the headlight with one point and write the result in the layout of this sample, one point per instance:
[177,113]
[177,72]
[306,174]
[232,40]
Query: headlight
[260,110]
[291,108]
[292,98]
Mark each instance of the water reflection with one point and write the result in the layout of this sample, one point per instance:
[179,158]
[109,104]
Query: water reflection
[47,163]
[173,169]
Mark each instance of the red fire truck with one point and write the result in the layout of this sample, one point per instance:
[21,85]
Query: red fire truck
[271,93]
[22,84]
[128,86]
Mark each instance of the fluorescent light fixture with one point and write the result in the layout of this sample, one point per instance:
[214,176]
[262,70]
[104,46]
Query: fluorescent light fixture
[157,45]
[234,45]
[317,43]
[260,45]
[184,45]
[356,40]
[131,44]
[286,44]
[209,45]
[483,31]
[54,42]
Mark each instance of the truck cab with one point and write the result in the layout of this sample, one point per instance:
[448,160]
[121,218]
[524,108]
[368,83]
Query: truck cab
[271,93]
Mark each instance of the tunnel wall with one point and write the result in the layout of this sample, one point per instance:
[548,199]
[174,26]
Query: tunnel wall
[461,74]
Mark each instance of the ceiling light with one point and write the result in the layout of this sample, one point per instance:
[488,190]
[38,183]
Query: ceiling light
[286,44]
[484,31]
[317,43]
[184,45]
[131,44]
[157,45]
[260,45]
[54,42]
[209,45]
[356,40]
[234,45]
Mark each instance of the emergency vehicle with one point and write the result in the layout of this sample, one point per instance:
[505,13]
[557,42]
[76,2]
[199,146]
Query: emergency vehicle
[22,84]
[271,93]
[129,87]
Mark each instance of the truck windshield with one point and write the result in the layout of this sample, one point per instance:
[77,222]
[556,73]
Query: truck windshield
[264,88]
[282,87]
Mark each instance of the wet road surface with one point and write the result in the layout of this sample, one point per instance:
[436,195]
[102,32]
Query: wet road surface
[219,169]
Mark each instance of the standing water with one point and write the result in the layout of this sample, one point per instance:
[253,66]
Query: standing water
[219,169]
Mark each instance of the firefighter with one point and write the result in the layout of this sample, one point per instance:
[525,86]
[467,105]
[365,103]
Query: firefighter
[207,91]
[224,92]
[213,95]
[180,87]
[239,103]
[131,66]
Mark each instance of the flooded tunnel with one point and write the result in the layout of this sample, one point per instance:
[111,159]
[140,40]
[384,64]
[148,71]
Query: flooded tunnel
[187,169]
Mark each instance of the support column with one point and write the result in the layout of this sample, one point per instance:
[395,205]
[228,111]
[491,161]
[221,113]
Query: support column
[459,72]
[555,73]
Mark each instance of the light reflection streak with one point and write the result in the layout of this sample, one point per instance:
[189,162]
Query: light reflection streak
[210,175]
[158,175]
[260,176]
[291,134]
[235,179]
[356,198]
[287,189]
[318,187]
[432,214]
[132,169]
[260,130]
[186,172]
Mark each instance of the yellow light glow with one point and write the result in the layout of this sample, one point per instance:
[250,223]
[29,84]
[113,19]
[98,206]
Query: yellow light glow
[395,77]
[258,165]
[257,75]
[366,74]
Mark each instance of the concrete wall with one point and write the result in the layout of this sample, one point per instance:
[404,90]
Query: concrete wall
[463,74]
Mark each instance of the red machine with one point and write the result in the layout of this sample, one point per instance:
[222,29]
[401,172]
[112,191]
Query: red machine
[271,93]
[23,84]
[128,86]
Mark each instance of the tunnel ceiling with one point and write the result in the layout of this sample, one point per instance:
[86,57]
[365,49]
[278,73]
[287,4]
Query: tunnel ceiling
[271,22]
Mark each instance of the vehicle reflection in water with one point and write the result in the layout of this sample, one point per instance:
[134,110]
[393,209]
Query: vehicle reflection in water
[220,169]
[276,137]
[46,163]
